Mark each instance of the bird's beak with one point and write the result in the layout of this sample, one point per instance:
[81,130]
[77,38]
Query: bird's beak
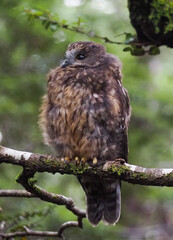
[65,63]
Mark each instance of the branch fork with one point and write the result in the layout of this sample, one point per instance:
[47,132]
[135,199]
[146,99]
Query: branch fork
[33,163]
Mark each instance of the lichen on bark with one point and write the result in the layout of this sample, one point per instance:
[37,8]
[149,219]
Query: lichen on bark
[153,21]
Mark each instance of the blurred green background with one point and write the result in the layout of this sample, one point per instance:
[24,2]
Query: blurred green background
[27,52]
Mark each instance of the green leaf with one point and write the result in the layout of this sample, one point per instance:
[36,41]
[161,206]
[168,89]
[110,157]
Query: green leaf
[137,51]
[54,27]
[129,38]
[154,50]
[47,25]
[127,49]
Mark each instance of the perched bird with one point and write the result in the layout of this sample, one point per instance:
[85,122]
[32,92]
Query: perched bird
[85,116]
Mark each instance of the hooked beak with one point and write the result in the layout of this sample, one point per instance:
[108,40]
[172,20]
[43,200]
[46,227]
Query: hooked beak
[65,63]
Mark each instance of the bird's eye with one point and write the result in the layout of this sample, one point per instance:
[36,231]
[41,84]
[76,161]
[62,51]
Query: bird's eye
[80,57]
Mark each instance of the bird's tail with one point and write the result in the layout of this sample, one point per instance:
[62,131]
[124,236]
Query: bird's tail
[93,190]
[111,200]
[103,199]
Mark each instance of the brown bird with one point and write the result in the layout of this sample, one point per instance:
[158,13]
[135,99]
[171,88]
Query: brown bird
[85,116]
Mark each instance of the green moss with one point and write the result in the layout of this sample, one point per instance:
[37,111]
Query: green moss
[77,170]
[118,170]
[170,176]
[162,9]
[32,181]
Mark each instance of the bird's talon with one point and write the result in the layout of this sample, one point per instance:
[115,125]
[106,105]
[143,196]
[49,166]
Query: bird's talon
[77,161]
[95,161]
[67,160]
[120,160]
[83,160]
[62,159]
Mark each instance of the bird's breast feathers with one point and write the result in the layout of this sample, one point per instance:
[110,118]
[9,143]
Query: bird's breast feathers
[85,106]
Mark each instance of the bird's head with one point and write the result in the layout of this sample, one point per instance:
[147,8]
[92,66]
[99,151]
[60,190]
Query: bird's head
[84,54]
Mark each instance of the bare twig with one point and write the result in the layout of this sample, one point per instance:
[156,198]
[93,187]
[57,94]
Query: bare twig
[16,193]
[29,232]
[69,224]
[29,185]
[44,195]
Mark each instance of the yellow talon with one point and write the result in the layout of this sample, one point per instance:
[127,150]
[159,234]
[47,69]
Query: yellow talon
[83,160]
[77,160]
[67,159]
[95,160]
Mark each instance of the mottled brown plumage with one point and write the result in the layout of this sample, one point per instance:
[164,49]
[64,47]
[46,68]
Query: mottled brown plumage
[85,113]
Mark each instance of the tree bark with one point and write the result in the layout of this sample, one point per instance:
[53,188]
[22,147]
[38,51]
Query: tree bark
[153,21]
[33,163]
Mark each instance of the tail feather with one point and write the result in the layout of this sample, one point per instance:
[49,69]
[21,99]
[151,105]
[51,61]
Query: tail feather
[94,209]
[93,190]
[112,200]
[103,199]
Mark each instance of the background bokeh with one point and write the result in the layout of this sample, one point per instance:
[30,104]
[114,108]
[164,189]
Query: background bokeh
[27,52]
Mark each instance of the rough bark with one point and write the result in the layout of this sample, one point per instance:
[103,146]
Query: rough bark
[33,163]
[153,21]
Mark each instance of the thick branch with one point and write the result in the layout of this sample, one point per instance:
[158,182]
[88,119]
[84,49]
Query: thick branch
[29,184]
[118,169]
[152,20]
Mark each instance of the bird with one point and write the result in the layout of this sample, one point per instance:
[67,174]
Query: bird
[84,117]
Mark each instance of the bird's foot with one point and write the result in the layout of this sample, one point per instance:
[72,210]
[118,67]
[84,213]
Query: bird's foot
[76,161]
[120,161]
[93,162]
[81,161]
[69,160]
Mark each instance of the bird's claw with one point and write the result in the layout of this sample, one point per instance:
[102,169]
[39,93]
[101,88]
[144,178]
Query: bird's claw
[94,161]
[76,160]
[120,161]
[67,159]
[81,161]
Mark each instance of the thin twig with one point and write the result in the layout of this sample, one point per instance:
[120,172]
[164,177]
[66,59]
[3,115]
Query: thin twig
[78,29]
[67,225]
[29,232]
[16,193]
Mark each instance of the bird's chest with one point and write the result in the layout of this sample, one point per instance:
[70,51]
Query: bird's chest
[83,113]
[78,109]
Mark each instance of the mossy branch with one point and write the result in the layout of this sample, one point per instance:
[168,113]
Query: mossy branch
[33,163]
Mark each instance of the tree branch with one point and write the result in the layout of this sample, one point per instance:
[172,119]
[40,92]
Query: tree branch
[116,169]
[25,178]
[29,232]
[16,193]
[135,46]
[69,224]
[33,163]
[48,21]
